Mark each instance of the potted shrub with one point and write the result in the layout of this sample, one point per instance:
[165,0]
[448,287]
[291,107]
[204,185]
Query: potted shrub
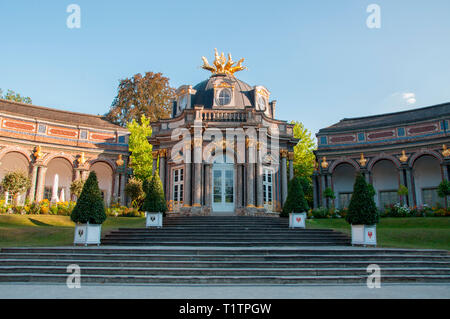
[89,213]
[362,214]
[154,204]
[444,191]
[296,205]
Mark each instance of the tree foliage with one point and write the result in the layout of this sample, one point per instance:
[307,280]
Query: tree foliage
[90,207]
[13,96]
[149,95]
[303,151]
[16,182]
[141,159]
[295,201]
[155,201]
[444,189]
[134,190]
[76,187]
[362,209]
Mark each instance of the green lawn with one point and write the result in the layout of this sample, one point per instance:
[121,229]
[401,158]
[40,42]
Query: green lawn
[47,230]
[431,232]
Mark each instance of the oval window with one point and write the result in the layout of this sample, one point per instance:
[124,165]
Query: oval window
[224,97]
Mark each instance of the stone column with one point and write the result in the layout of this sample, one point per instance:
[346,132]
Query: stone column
[239,183]
[123,181]
[291,165]
[162,167]
[40,183]
[77,174]
[315,191]
[444,172]
[410,186]
[32,193]
[284,184]
[208,169]
[84,174]
[197,172]
[155,161]
[250,172]
[259,179]
[324,186]
[116,187]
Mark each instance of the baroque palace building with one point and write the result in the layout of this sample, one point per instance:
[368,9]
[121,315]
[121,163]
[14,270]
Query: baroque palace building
[203,170]
[405,148]
[45,142]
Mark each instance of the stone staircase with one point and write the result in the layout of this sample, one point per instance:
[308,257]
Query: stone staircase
[226,250]
[229,231]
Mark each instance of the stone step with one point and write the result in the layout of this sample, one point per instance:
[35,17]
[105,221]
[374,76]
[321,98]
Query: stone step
[125,242]
[52,278]
[230,258]
[243,251]
[222,264]
[249,237]
[223,271]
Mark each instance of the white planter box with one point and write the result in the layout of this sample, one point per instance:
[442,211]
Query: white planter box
[87,234]
[154,220]
[297,220]
[364,235]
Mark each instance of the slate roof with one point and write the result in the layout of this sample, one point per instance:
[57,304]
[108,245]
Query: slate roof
[205,92]
[414,115]
[54,115]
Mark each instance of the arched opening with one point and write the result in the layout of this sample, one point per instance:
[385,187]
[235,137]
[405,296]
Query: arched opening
[385,180]
[105,179]
[427,177]
[63,168]
[343,181]
[13,162]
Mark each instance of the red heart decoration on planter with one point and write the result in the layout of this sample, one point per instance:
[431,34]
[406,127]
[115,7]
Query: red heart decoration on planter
[370,234]
[299,219]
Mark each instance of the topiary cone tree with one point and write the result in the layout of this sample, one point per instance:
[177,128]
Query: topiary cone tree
[295,201]
[155,200]
[362,209]
[90,207]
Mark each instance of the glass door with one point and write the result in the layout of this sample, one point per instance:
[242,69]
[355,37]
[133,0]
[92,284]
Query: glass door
[223,188]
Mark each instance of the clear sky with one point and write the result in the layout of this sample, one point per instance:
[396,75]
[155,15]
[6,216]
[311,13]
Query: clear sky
[318,58]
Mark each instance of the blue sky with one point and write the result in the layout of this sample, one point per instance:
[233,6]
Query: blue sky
[318,58]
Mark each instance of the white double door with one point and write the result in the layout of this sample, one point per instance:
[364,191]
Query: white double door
[223,192]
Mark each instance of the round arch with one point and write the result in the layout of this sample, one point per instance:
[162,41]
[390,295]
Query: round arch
[417,155]
[104,173]
[390,158]
[427,175]
[343,179]
[62,167]
[344,161]
[69,158]
[385,180]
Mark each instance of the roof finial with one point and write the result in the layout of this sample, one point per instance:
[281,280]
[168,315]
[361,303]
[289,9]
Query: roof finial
[221,65]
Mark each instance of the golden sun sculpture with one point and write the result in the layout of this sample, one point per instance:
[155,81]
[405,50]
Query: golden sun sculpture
[222,66]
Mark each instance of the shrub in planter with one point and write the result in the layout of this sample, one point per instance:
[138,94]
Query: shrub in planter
[89,213]
[296,206]
[362,213]
[155,204]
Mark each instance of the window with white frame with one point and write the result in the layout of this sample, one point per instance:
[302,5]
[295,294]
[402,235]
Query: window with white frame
[431,198]
[388,198]
[178,185]
[344,199]
[268,188]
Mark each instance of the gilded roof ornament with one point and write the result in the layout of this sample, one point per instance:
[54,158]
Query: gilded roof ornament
[222,66]
[445,151]
[362,160]
[403,158]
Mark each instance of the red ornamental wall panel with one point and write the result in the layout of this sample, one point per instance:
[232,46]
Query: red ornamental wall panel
[18,125]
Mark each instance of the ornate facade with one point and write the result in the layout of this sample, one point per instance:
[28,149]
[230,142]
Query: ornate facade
[45,142]
[405,148]
[223,151]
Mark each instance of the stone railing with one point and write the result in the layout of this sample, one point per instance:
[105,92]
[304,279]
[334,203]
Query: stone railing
[223,116]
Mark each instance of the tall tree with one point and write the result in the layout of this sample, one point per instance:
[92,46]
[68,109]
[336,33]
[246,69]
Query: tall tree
[148,95]
[303,151]
[13,96]
[141,159]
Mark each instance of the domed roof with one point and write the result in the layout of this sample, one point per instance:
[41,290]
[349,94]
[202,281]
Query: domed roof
[205,91]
